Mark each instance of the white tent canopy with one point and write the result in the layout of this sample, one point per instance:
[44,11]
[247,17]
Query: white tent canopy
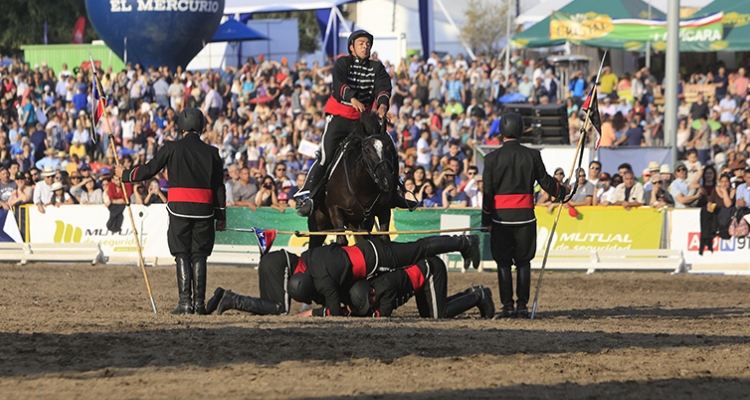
[255,6]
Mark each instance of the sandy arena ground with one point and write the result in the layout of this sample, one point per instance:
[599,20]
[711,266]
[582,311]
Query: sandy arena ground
[88,332]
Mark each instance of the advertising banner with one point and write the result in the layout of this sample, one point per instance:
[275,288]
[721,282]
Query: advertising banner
[635,32]
[88,224]
[686,233]
[601,228]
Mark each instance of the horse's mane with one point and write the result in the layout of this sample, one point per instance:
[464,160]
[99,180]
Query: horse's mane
[369,124]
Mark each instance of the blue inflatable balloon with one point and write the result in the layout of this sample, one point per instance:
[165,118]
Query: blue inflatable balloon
[156,32]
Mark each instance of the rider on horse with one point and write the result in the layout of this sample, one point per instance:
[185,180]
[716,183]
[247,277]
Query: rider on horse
[358,82]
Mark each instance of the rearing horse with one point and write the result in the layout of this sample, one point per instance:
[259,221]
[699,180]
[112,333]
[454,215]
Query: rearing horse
[361,183]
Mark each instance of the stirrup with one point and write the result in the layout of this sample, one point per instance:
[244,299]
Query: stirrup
[305,207]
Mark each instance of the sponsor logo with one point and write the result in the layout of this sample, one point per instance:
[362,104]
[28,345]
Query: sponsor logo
[67,233]
[193,6]
[718,244]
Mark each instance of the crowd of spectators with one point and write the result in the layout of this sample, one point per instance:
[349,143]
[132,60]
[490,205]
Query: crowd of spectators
[266,118]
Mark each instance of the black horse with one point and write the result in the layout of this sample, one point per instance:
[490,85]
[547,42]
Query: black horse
[361,184]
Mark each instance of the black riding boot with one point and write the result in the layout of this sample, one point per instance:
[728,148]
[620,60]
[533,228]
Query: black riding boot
[476,296]
[184,286]
[199,286]
[505,280]
[467,245]
[213,302]
[305,195]
[255,305]
[523,290]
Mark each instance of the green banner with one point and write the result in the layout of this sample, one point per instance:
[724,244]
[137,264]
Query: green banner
[633,33]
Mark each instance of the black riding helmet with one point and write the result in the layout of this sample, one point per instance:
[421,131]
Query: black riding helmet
[511,125]
[192,120]
[357,34]
[300,287]
[359,294]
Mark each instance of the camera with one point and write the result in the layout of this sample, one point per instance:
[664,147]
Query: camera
[268,186]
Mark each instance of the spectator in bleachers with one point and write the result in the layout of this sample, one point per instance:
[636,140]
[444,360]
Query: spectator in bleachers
[267,195]
[90,194]
[629,193]
[244,191]
[24,192]
[605,192]
[685,194]
[657,196]
[59,195]
[43,188]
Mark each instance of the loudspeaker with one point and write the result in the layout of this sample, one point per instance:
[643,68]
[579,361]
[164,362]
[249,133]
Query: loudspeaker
[544,123]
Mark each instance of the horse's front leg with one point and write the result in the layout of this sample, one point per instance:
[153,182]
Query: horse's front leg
[384,222]
[337,220]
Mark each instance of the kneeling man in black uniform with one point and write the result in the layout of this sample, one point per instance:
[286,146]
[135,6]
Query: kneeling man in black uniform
[326,273]
[427,280]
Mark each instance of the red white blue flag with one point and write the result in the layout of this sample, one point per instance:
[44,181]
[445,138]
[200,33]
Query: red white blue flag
[97,103]
[265,239]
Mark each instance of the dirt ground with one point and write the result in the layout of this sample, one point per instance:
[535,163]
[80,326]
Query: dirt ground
[88,332]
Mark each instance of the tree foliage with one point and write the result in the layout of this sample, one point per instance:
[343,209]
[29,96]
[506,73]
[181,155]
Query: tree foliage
[307,24]
[22,23]
[486,24]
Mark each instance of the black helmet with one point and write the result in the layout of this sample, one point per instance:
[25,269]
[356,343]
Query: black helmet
[300,287]
[357,34]
[192,120]
[511,125]
[359,295]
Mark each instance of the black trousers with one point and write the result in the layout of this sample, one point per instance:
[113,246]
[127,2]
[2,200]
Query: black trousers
[432,299]
[274,271]
[383,256]
[336,130]
[190,238]
[513,244]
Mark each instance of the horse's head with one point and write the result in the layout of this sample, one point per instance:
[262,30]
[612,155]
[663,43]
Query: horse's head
[377,154]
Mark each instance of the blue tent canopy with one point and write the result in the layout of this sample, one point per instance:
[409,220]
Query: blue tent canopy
[235,31]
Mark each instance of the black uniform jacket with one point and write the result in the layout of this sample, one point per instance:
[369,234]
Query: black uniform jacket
[196,177]
[365,80]
[333,269]
[394,289]
[510,173]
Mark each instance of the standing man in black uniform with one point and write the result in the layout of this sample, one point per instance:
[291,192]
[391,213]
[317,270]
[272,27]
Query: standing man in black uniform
[358,82]
[427,280]
[326,273]
[196,198]
[508,211]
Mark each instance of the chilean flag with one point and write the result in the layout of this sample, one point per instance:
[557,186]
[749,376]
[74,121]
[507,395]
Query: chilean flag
[265,239]
[97,104]
[591,108]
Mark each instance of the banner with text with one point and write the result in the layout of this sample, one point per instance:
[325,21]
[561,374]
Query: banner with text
[633,32]
[601,228]
[686,235]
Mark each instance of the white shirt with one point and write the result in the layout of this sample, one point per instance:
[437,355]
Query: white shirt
[425,157]
[42,192]
[724,104]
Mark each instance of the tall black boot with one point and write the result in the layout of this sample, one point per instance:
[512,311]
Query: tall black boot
[255,305]
[467,245]
[523,290]
[213,302]
[184,286]
[199,286]
[304,195]
[505,280]
[476,296]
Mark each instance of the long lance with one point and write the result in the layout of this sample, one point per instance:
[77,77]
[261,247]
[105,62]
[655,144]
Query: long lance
[361,233]
[127,204]
[576,161]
